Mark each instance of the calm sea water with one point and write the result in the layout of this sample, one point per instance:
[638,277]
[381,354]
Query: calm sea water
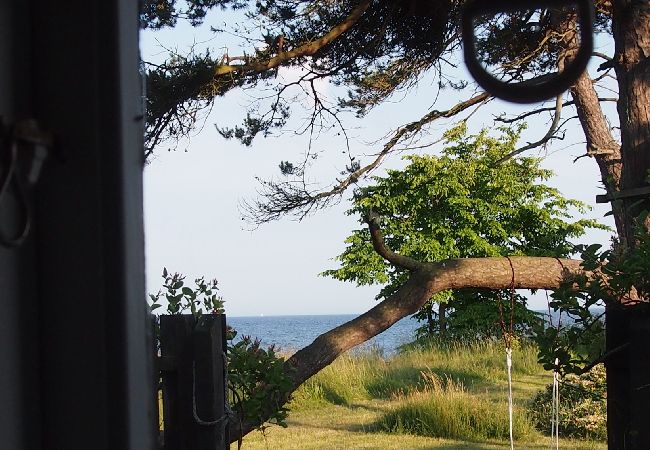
[294,332]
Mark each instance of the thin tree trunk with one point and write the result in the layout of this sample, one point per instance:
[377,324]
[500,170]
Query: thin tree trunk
[431,323]
[442,319]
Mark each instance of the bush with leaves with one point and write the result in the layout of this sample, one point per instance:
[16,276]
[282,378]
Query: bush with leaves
[481,314]
[609,281]
[583,406]
[250,366]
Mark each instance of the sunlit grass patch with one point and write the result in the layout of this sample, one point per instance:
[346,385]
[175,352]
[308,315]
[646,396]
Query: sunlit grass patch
[445,409]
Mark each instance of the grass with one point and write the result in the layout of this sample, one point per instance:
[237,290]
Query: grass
[427,397]
[445,409]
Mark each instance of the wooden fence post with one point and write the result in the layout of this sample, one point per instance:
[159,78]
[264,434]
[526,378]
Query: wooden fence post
[193,373]
[155,376]
[208,396]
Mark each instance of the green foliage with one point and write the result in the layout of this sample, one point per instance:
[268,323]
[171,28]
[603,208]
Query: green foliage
[476,314]
[614,280]
[250,367]
[388,50]
[583,406]
[158,14]
[202,298]
[463,203]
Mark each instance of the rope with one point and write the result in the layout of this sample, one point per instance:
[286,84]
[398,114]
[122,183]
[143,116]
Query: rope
[225,418]
[10,176]
[555,410]
[507,338]
[555,401]
[510,409]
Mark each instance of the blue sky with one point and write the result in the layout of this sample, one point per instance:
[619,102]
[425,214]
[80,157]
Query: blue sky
[193,223]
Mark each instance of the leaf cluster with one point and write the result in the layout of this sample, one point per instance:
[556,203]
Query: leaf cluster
[258,381]
[460,204]
[157,14]
[484,314]
[613,281]
[583,406]
[202,298]
[387,50]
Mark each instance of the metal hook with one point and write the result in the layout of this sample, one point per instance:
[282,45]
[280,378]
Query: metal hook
[539,88]
[27,133]
[9,177]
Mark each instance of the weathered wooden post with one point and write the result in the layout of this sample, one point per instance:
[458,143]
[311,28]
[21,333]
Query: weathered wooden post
[193,366]
[175,361]
[209,383]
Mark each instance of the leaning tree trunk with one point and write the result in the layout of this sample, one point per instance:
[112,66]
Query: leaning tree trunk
[425,280]
[628,371]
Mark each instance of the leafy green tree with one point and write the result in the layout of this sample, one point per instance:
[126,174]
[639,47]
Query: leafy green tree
[461,204]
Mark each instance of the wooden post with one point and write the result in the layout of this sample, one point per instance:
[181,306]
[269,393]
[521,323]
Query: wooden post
[176,354]
[155,377]
[208,398]
[193,372]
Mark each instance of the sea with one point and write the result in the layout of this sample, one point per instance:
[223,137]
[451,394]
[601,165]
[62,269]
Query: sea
[291,333]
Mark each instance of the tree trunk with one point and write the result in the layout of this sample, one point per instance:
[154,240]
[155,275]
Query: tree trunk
[628,371]
[442,319]
[431,323]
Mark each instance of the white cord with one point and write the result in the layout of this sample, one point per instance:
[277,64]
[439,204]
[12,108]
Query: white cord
[509,365]
[555,409]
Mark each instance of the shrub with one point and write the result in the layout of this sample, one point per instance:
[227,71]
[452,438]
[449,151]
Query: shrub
[250,366]
[583,408]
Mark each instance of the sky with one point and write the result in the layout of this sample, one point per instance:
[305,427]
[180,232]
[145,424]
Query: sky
[193,220]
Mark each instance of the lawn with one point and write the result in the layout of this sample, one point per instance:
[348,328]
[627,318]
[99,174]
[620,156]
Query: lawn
[436,397]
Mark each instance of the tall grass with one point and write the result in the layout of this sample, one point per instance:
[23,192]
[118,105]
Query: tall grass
[343,382]
[445,409]
[479,359]
[354,377]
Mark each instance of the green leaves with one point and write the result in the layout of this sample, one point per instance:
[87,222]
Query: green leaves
[250,366]
[614,279]
[460,204]
[201,299]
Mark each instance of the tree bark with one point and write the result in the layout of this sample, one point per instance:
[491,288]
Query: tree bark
[628,371]
[601,145]
[308,49]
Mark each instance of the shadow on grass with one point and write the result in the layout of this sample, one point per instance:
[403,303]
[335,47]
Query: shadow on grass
[404,380]
[330,395]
